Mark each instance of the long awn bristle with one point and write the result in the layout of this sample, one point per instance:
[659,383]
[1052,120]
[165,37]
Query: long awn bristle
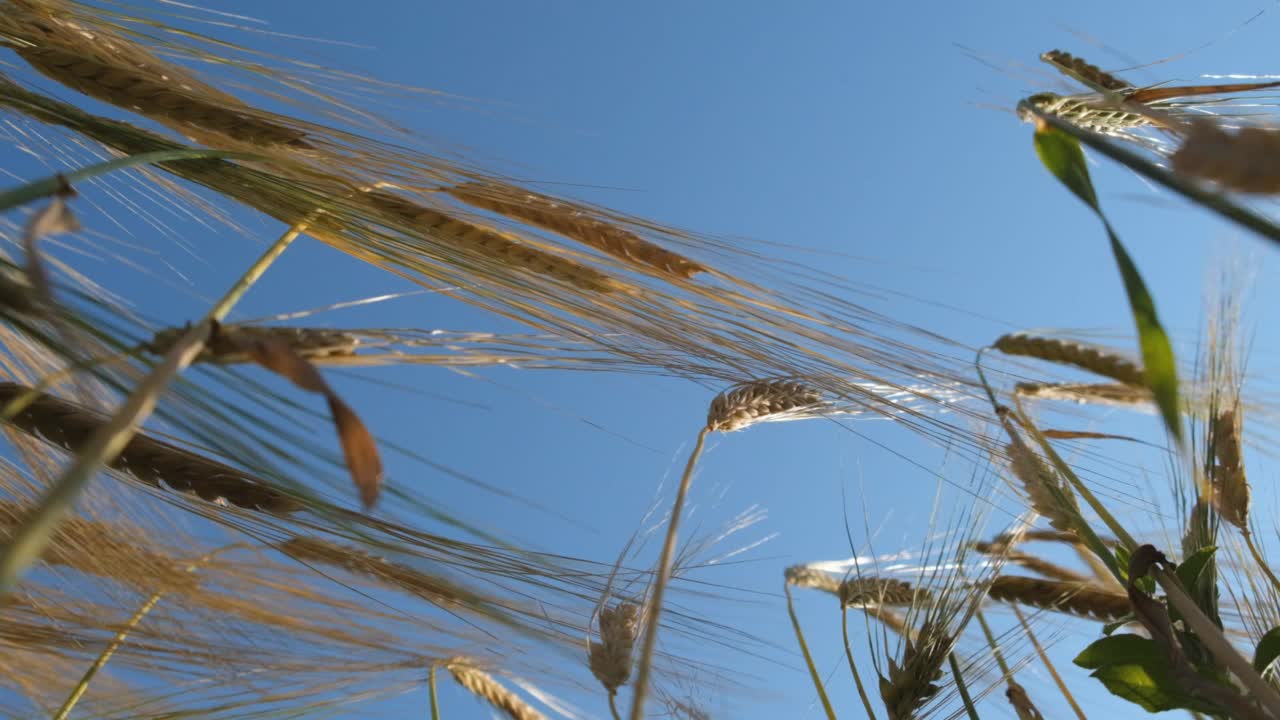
[1075,598]
[484,686]
[760,400]
[610,659]
[149,460]
[1066,352]
[571,222]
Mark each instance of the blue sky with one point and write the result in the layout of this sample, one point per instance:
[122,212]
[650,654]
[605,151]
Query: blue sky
[875,141]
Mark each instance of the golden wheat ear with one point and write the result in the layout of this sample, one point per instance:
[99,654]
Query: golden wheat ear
[484,686]
[1083,599]
[758,401]
[1065,352]
[610,659]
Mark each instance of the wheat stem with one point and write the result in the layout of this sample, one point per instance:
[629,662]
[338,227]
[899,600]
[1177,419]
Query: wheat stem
[30,539]
[613,706]
[853,667]
[660,584]
[81,687]
[808,657]
[962,688]
[1048,664]
[431,686]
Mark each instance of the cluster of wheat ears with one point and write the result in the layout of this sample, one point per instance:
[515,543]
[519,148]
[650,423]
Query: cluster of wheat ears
[211,563]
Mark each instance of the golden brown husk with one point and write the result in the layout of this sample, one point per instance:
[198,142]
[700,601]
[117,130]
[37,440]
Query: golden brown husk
[1082,599]
[1230,484]
[226,345]
[875,591]
[751,402]
[485,687]
[610,659]
[1065,352]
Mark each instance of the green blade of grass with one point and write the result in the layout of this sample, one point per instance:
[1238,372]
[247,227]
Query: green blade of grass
[1062,155]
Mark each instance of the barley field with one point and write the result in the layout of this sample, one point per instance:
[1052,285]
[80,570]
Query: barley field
[715,360]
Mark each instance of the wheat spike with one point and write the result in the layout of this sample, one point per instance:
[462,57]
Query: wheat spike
[1021,702]
[226,344]
[807,577]
[482,685]
[109,67]
[69,425]
[359,562]
[571,222]
[1065,352]
[1085,72]
[910,685]
[1246,161]
[489,242]
[862,592]
[1031,562]
[610,659]
[1081,599]
[1047,496]
[760,400]
[1090,113]
[1086,393]
[1230,486]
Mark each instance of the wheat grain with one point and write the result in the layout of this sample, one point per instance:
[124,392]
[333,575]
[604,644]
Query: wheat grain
[1085,72]
[226,345]
[1081,599]
[1230,484]
[1246,161]
[484,686]
[1065,352]
[1086,393]
[865,592]
[109,67]
[807,577]
[69,425]
[572,222]
[759,401]
[610,659]
[489,242]
[911,684]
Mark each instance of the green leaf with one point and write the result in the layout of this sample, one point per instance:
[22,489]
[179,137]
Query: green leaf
[1135,668]
[1062,155]
[1192,569]
[1268,650]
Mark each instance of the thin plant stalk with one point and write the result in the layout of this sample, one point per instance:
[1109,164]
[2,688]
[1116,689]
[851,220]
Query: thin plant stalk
[613,706]
[1261,562]
[435,702]
[1048,664]
[853,667]
[30,539]
[83,686]
[995,646]
[962,688]
[808,658]
[660,584]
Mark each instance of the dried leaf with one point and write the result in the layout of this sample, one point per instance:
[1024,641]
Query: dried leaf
[1084,435]
[55,218]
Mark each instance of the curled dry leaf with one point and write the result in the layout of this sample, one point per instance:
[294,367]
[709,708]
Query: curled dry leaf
[55,218]
[358,446]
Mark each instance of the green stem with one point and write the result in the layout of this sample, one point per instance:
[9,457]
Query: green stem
[808,658]
[83,686]
[660,585]
[962,688]
[30,539]
[435,702]
[853,667]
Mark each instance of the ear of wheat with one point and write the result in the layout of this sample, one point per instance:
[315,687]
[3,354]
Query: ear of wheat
[1031,562]
[226,345]
[863,592]
[152,461]
[1231,494]
[909,685]
[1087,73]
[1081,599]
[1065,352]
[759,401]
[1048,497]
[610,659]
[558,217]
[1090,113]
[1086,393]
[807,577]
[484,686]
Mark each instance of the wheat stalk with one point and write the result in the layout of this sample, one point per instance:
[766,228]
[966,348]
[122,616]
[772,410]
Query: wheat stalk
[484,686]
[864,592]
[572,222]
[759,401]
[610,659]
[109,67]
[152,461]
[1066,352]
[227,343]
[1083,599]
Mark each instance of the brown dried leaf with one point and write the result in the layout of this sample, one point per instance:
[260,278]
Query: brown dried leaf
[359,449]
[55,218]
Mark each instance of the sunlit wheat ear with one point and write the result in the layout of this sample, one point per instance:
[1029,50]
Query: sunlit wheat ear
[1021,702]
[1083,71]
[1090,113]
[864,592]
[1230,486]
[1064,352]
[149,460]
[484,686]
[1048,497]
[226,345]
[96,548]
[807,577]
[1247,160]
[564,219]
[910,685]
[112,68]
[610,659]
[760,401]
[500,246]
[1086,393]
[1031,562]
[1081,599]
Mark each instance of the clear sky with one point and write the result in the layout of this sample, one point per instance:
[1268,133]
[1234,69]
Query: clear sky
[875,140]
